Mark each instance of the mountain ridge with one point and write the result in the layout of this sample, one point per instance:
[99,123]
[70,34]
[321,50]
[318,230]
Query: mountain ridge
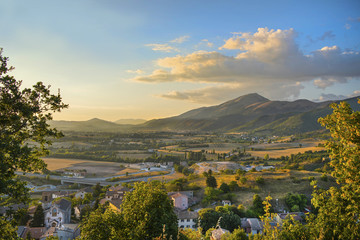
[248,113]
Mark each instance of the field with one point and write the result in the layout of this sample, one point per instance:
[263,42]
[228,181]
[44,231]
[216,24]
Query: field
[93,168]
[277,184]
[277,150]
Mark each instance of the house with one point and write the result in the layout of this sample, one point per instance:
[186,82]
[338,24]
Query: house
[35,232]
[255,225]
[226,202]
[217,233]
[58,213]
[82,192]
[180,200]
[297,216]
[21,231]
[66,231]
[78,209]
[4,210]
[187,219]
[115,196]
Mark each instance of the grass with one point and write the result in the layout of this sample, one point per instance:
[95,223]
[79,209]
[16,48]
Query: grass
[139,175]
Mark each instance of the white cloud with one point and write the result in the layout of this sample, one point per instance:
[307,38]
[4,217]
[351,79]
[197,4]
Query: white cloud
[162,47]
[263,61]
[137,71]
[180,39]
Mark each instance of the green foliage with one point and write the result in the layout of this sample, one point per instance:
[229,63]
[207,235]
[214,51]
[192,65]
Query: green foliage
[224,188]
[338,208]
[8,231]
[296,202]
[237,234]
[146,210]
[103,226]
[211,181]
[38,220]
[24,116]
[257,206]
[260,180]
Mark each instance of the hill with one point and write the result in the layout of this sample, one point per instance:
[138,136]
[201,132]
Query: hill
[251,113]
[92,125]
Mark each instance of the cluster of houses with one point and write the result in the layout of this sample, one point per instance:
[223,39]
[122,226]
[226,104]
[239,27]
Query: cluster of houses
[57,213]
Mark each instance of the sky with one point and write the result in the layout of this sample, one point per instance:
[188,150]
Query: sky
[153,59]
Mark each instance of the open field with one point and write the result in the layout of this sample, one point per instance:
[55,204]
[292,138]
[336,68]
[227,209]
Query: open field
[283,149]
[277,184]
[93,168]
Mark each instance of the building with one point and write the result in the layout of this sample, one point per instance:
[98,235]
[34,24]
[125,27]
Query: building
[58,213]
[180,200]
[187,219]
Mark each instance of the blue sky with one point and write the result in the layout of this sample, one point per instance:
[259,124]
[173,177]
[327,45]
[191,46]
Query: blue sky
[151,59]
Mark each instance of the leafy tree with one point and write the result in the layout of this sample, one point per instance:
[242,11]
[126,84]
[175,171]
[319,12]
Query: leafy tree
[8,231]
[224,187]
[24,116]
[208,218]
[97,190]
[339,207]
[103,226]
[146,210]
[295,202]
[237,234]
[39,218]
[233,186]
[211,181]
[257,207]
[266,157]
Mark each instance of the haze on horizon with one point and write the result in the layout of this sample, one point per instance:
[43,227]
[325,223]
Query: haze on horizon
[151,59]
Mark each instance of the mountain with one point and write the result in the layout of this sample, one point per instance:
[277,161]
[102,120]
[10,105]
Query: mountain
[130,121]
[92,125]
[251,113]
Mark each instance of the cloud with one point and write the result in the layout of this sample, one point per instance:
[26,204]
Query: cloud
[206,43]
[223,92]
[331,97]
[347,26]
[328,34]
[259,62]
[162,47]
[334,97]
[180,39]
[137,71]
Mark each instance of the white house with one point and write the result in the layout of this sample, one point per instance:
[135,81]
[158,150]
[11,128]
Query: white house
[187,219]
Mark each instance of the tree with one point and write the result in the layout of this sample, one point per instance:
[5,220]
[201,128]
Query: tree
[257,206]
[107,225]
[38,220]
[24,114]
[339,207]
[211,181]
[146,210]
[8,231]
[224,187]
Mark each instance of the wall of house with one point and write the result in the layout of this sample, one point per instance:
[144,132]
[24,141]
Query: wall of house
[187,223]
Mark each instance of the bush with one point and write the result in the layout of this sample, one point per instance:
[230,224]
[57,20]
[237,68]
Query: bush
[260,180]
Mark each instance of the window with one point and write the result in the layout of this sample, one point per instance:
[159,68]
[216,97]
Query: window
[182,226]
[182,220]
[187,226]
[188,220]
[54,212]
